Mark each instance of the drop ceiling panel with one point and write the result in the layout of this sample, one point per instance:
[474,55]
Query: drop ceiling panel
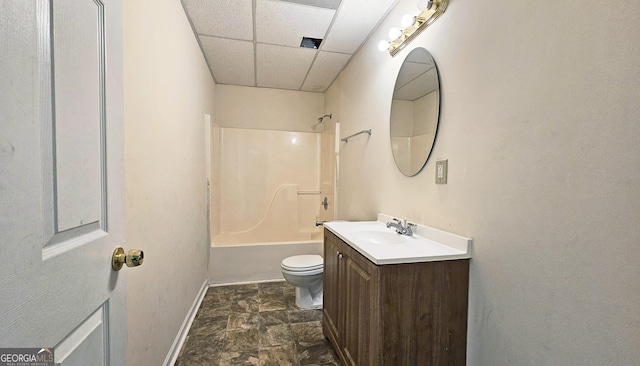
[226,29]
[410,71]
[285,23]
[354,22]
[222,18]
[329,4]
[419,58]
[417,88]
[231,61]
[324,70]
[282,67]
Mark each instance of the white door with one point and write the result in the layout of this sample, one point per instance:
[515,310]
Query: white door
[61,179]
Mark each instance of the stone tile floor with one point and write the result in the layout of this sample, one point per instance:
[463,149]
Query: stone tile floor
[255,324]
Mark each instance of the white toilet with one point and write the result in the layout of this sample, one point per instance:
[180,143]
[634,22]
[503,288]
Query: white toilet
[305,273]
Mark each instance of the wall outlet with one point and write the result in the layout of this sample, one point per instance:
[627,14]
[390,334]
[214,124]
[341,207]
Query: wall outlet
[441,171]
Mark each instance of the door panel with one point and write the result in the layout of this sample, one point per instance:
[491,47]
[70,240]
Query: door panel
[61,149]
[86,345]
[357,331]
[78,77]
[331,284]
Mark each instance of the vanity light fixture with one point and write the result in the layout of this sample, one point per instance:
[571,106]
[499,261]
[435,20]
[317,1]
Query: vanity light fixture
[430,10]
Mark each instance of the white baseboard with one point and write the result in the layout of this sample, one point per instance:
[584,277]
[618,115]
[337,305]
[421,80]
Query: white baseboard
[244,282]
[172,356]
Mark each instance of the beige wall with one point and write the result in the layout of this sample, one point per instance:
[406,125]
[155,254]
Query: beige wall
[267,109]
[168,90]
[540,126]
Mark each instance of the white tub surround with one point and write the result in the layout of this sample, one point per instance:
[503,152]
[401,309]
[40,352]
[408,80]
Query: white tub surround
[382,245]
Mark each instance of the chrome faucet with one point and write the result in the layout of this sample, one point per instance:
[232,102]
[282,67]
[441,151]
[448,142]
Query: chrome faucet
[402,226]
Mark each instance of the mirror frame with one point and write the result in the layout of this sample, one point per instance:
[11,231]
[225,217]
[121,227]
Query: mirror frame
[409,76]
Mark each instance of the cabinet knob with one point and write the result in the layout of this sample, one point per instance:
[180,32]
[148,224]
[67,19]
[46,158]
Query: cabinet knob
[339,255]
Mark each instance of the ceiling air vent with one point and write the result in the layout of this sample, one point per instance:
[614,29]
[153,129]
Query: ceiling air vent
[310,42]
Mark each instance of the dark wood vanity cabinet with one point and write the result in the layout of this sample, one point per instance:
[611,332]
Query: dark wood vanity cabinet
[395,314]
[332,324]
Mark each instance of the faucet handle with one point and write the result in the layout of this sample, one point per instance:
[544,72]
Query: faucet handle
[401,222]
[390,223]
[409,229]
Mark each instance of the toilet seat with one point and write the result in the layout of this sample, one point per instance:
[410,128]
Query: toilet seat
[303,263]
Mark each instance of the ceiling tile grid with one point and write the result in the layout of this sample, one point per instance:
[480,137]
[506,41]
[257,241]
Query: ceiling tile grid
[410,71]
[324,71]
[222,18]
[415,89]
[257,42]
[282,67]
[283,23]
[353,24]
[233,66]
[329,4]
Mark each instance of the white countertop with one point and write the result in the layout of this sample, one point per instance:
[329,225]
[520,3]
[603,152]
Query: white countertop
[382,245]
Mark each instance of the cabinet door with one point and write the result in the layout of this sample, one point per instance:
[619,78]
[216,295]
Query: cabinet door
[360,294]
[331,311]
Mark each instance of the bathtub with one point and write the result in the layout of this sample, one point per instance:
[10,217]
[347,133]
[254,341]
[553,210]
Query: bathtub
[232,261]
[267,203]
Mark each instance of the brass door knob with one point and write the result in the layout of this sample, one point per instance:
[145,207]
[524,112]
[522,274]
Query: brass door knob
[132,258]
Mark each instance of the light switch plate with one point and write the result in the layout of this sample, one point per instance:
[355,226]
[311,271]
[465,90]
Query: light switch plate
[441,171]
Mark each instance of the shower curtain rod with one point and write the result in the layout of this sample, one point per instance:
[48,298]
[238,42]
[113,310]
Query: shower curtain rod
[346,139]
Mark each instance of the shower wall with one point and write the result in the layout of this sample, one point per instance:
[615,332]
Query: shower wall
[328,170]
[269,186]
[409,142]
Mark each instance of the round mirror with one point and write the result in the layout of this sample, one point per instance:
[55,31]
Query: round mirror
[415,109]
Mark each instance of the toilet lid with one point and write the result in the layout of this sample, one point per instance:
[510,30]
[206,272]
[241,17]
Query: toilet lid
[302,262]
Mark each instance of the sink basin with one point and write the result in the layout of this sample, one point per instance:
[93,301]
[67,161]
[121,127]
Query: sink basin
[380,237]
[382,245]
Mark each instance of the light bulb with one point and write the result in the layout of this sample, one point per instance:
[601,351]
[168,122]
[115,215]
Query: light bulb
[424,4]
[407,20]
[394,33]
[383,46]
